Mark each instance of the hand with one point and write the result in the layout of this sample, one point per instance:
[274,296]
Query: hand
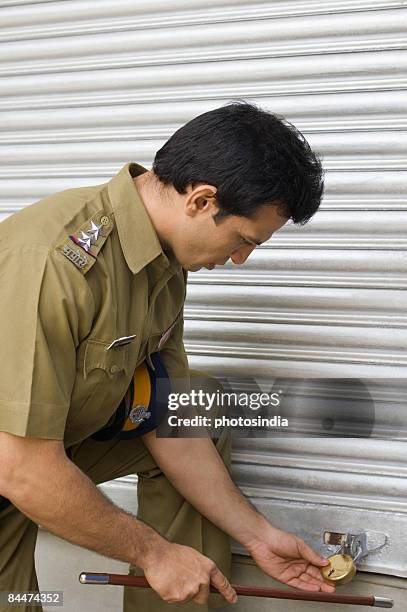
[290,560]
[180,574]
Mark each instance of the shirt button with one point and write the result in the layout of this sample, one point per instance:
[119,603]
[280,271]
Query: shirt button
[114,369]
[105,220]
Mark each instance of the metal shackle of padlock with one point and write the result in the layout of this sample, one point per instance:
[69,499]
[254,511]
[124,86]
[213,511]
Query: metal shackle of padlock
[352,548]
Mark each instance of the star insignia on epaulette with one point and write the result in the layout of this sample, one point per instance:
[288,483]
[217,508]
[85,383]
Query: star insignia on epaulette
[85,241]
[94,232]
[83,247]
[88,238]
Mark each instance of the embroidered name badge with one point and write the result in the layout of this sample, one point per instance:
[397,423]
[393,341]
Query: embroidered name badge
[79,259]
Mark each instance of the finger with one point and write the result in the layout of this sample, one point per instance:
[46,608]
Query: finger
[307,578]
[177,600]
[309,554]
[223,585]
[327,588]
[314,572]
[292,572]
[180,597]
[202,596]
[303,585]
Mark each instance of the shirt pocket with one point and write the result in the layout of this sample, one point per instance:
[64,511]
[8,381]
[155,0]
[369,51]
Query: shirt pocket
[103,377]
[101,362]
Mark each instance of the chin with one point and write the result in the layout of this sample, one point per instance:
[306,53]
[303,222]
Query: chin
[193,268]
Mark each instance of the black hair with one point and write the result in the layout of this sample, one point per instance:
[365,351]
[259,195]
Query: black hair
[251,156]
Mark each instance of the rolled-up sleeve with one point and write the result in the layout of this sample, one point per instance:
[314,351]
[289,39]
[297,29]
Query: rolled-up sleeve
[42,299]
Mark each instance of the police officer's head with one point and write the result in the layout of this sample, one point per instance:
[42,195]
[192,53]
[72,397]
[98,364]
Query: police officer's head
[241,173]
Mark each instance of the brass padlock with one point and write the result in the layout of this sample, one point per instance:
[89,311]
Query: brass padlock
[341,569]
[352,548]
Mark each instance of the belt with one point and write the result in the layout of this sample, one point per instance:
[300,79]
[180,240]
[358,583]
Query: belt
[141,410]
[144,405]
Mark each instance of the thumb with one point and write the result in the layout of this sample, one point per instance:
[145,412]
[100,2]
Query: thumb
[310,555]
[222,584]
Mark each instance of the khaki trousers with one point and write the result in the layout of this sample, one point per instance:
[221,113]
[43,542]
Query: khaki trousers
[159,505]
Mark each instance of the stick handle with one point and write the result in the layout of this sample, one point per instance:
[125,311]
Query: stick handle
[247,591]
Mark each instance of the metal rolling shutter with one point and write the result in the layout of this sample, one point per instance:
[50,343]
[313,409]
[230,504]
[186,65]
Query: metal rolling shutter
[88,85]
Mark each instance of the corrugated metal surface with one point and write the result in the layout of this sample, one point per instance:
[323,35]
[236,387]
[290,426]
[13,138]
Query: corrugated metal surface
[88,85]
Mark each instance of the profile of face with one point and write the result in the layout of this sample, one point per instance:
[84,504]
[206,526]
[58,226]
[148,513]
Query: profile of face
[199,241]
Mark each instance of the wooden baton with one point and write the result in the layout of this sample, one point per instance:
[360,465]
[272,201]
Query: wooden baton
[247,591]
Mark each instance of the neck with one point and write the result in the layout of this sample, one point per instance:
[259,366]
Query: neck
[156,201]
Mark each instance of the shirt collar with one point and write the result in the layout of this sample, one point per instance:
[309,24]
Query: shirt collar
[138,238]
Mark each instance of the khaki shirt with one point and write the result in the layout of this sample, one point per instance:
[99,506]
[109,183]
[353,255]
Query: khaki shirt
[62,306]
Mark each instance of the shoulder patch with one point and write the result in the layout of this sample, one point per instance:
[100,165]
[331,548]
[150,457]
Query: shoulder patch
[83,246]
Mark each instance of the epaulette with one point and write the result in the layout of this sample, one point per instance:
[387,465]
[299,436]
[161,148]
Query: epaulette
[83,246]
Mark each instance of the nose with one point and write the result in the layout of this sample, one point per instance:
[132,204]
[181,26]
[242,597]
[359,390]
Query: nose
[240,255]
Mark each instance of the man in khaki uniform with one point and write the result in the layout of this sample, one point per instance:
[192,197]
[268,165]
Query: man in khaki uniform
[93,286]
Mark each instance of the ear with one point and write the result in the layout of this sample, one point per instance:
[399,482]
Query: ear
[200,199]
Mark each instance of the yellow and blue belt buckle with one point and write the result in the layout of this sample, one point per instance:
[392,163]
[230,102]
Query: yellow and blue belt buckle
[138,398]
[144,405]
